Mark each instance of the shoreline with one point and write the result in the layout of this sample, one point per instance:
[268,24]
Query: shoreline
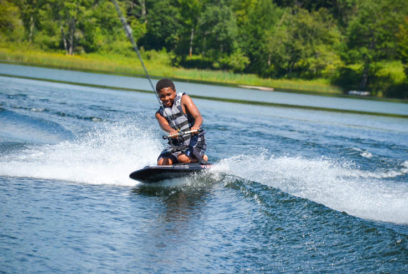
[214,83]
[158,65]
[228,100]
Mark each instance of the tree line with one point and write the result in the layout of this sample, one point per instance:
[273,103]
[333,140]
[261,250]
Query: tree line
[357,44]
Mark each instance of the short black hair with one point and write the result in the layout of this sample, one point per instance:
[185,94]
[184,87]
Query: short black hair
[165,83]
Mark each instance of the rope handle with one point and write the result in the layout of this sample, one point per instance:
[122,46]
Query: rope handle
[183,133]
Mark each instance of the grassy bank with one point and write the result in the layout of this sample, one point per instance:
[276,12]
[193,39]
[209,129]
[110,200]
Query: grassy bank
[158,65]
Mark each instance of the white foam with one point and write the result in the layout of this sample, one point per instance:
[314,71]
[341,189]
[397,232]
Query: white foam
[104,156]
[339,185]
[363,153]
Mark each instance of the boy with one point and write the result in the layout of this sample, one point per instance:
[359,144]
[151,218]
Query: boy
[178,113]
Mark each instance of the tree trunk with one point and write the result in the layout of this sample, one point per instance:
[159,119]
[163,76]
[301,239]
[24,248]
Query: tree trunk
[364,79]
[190,53]
[290,67]
[31,33]
[71,37]
[64,39]
[143,6]
[367,62]
[204,45]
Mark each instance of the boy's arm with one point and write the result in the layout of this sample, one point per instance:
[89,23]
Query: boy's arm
[164,124]
[191,108]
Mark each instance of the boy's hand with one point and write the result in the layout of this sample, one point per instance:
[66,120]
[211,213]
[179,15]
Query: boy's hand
[194,130]
[173,133]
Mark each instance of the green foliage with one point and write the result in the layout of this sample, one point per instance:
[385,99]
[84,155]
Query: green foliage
[303,44]
[158,57]
[397,91]
[371,35]
[103,32]
[387,76]
[163,26]
[260,17]
[402,40]
[30,16]
[218,31]
[348,77]
[11,26]
[357,44]
[195,61]
[237,61]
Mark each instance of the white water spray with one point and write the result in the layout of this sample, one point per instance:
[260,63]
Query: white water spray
[340,186]
[104,156]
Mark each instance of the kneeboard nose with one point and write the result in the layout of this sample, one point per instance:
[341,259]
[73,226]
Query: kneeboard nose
[154,174]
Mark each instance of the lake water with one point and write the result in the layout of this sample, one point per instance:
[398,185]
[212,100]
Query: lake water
[291,189]
[209,90]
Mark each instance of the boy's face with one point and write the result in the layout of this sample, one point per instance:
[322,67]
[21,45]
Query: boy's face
[167,96]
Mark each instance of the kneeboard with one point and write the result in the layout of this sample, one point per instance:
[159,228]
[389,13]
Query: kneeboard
[153,174]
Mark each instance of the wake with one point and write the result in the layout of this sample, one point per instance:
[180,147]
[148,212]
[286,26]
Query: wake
[109,153]
[376,195]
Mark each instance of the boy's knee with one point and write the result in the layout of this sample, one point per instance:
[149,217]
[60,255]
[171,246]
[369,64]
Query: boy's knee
[164,161]
[182,158]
